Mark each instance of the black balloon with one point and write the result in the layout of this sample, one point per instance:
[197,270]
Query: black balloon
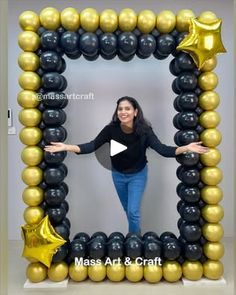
[190,176]
[133,235]
[99,235]
[63,84]
[158,55]
[136,32]
[127,43]
[82,236]
[178,109]
[88,44]
[53,176]
[63,231]
[185,137]
[49,40]
[96,248]
[108,56]
[180,205]
[66,222]
[65,187]
[40,72]
[174,68]
[115,249]
[187,101]
[52,81]
[43,165]
[125,58]
[175,86]
[188,119]
[41,125]
[54,134]
[56,214]
[49,61]
[61,30]
[190,194]
[74,55]
[165,43]
[171,249]
[116,236]
[133,247]
[41,30]
[54,117]
[77,249]
[199,129]
[167,235]
[108,44]
[69,41]
[191,213]
[63,168]
[41,106]
[190,232]
[61,254]
[193,252]
[146,45]
[155,33]
[61,67]
[179,171]
[199,111]
[188,159]
[54,99]
[187,81]
[185,62]
[150,235]
[54,158]
[54,195]
[152,248]
[44,205]
[92,57]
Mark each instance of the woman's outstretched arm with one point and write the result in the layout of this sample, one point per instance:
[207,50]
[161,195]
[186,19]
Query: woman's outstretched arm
[60,147]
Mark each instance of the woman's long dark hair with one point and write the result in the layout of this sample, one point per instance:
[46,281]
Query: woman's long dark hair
[141,125]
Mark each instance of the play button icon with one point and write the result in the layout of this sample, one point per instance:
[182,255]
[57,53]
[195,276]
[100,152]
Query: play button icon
[108,150]
[116,148]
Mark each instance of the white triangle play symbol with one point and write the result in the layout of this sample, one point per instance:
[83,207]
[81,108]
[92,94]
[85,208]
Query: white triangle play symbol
[116,148]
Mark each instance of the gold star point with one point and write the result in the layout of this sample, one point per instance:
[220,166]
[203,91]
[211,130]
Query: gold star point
[41,241]
[203,41]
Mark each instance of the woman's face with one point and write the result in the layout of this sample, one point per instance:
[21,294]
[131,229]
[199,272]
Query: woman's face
[126,112]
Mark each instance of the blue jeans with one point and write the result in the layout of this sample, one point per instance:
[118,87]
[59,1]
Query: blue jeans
[130,188]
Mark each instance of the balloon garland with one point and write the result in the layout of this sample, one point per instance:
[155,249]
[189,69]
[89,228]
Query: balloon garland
[194,43]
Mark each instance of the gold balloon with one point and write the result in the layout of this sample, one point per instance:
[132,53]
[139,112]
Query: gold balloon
[89,19]
[50,18]
[29,81]
[209,64]
[192,270]
[28,61]
[28,41]
[183,20]
[70,19]
[214,251]
[33,215]
[152,273]
[36,272]
[209,100]
[32,175]
[212,213]
[29,21]
[213,270]
[58,271]
[28,99]
[134,272]
[165,22]
[33,195]
[116,272]
[207,17]
[78,273]
[172,271]
[32,155]
[30,135]
[211,137]
[41,241]
[207,81]
[127,20]
[203,41]
[108,21]
[211,175]
[30,117]
[211,194]
[213,232]
[146,21]
[97,272]
[211,158]
[209,119]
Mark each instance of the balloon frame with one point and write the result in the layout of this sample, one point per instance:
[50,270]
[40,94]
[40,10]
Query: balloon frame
[210,139]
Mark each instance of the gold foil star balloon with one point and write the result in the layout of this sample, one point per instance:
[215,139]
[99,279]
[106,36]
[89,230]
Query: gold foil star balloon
[41,241]
[203,41]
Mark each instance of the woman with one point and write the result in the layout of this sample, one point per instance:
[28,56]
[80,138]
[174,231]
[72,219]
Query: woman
[129,169]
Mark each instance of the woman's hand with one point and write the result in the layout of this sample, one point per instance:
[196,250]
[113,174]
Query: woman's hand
[55,147]
[197,147]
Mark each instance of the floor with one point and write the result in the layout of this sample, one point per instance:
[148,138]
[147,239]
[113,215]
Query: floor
[16,280]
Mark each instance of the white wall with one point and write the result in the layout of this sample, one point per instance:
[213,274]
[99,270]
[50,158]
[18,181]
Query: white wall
[94,204]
